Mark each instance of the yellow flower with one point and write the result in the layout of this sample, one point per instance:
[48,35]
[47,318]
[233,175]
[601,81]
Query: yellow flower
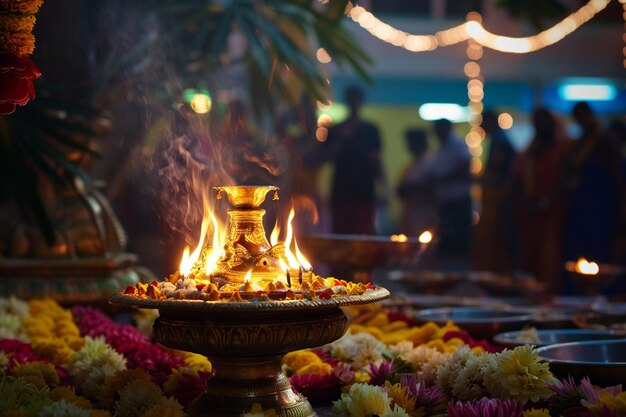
[198,362]
[135,397]
[52,348]
[537,412]
[39,374]
[401,397]
[300,358]
[606,400]
[317,368]
[520,375]
[20,6]
[362,377]
[366,400]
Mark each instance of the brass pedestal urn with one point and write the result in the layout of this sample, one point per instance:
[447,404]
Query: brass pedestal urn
[246,338]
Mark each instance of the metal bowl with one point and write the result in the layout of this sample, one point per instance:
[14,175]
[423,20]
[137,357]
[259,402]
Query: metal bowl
[360,252]
[479,322]
[555,336]
[603,361]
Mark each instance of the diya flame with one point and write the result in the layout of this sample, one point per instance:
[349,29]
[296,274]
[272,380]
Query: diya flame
[207,260]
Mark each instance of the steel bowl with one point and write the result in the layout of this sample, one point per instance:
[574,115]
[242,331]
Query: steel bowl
[555,336]
[603,361]
[479,322]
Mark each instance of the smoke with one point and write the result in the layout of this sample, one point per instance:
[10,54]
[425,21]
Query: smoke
[200,153]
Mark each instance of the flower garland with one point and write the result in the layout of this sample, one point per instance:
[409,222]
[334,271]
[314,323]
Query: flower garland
[103,369]
[17,71]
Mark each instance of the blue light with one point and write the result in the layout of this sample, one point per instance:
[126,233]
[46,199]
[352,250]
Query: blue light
[588,92]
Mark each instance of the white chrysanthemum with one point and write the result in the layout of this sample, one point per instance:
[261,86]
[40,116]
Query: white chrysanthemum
[367,400]
[136,398]
[470,382]
[448,373]
[426,361]
[14,306]
[91,364]
[401,349]
[63,409]
[11,327]
[340,407]
[359,349]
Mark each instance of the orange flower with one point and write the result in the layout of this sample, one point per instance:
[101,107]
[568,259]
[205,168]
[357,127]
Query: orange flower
[16,23]
[20,6]
[17,43]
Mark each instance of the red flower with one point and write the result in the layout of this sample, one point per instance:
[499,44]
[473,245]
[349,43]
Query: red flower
[16,82]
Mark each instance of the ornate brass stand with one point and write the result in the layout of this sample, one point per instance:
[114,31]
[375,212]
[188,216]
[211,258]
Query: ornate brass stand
[245,342]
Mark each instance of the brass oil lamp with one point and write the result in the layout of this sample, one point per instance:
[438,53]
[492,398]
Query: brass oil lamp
[246,340]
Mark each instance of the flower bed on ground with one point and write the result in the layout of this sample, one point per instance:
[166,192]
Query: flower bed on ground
[79,362]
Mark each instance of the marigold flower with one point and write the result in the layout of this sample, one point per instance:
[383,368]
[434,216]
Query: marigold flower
[16,23]
[166,407]
[20,6]
[135,397]
[114,383]
[63,408]
[319,368]
[20,44]
[299,359]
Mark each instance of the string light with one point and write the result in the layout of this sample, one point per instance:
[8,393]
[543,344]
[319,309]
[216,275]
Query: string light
[473,29]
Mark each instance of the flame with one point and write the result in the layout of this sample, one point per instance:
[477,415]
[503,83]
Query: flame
[246,279]
[399,238]
[585,267]
[217,246]
[425,237]
[298,260]
[275,233]
[300,257]
[188,260]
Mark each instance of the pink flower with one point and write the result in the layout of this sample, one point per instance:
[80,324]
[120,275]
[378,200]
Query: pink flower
[19,352]
[317,388]
[130,342]
[486,407]
[431,398]
[16,81]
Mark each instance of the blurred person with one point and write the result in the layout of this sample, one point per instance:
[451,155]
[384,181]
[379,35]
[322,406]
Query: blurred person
[419,210]
[354,146]
[540,201]
[593,179]
[494,233]
[449,171]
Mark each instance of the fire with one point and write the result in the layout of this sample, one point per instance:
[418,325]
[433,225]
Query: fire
[217,248]
[275,233]
[425,237]
[297,260]
[246,279]
[585,267]
[189,260]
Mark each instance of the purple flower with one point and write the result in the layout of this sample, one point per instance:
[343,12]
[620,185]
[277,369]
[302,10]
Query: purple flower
[486,407]
[317,388]
[431,398]
[380,374]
